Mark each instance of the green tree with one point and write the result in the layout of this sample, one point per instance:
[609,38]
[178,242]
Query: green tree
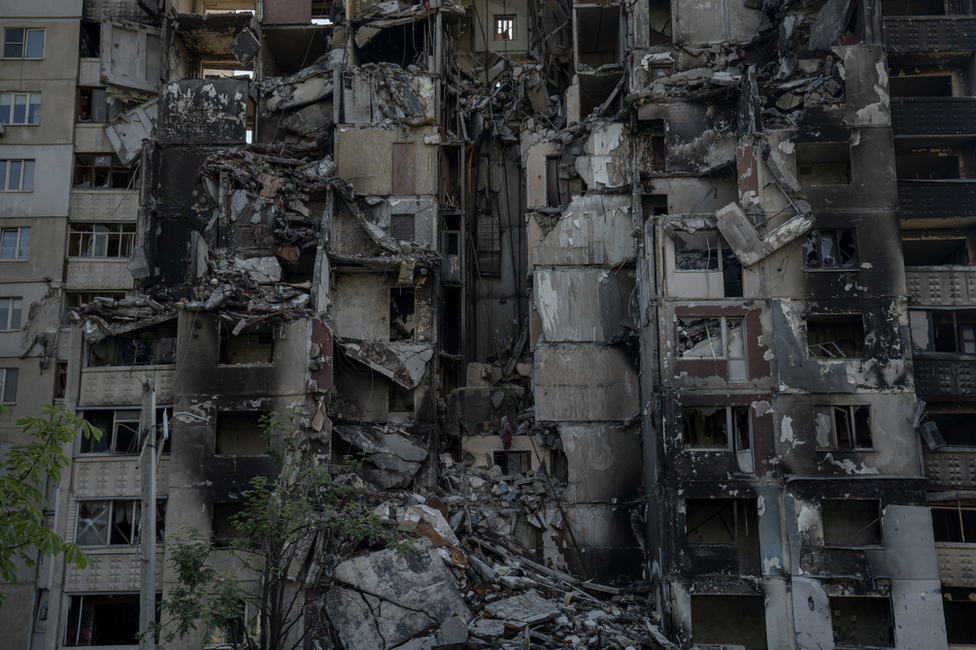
[283,521]
[23,472]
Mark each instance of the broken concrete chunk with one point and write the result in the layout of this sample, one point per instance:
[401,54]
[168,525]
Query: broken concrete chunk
[528,608]
[311,120]
[261,270]
[402,361]
[127,131]
[487,628]
[746,243]
[245,46]
[311,89]
[353,619]
[397,458]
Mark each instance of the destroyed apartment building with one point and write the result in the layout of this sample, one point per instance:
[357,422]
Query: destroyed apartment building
[656,319]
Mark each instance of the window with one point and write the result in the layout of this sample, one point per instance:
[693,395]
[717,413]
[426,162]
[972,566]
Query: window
[697,251]
[254,346]
[935,248]
[14,243]
[148,347]
[104,619]
[505,28]
[94,106]
[830,249]
[61,383]
[16,175]
[402,324]
[233,635]
[861,622]
[944,331]
[23,43]
[224,531]
[956,421]
[954,521]
[959,606]
[101,171]
[833,336]
[843,427]
[8,385]
[402,227]
[10,312]
[737,621]
[716,338]
[719,521]
[709,427]
[851,522]
[20,108]
[115,523]
[120,430]
[823,163]
[101,240]
[240,434]
[512,462]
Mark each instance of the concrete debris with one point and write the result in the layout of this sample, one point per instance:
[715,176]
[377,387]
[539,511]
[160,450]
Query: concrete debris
[396,458]
[127,131]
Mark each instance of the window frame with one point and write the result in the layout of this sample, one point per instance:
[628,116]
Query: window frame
[853,265]
[110,438]
[6,169]
[15,306]
[733,439]
[83,244]
[18,245]
[154,334]
[133,533]
[824,318]
[830,410]
[90,170]
[27,108]
[508,454]
[721,246]
[25,43]
[6,393]
[878,520]
[958,506]
[736,367]
[502,25]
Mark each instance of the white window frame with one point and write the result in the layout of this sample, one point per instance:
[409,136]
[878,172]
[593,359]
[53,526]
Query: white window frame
[97,240]
[8,395]
[19,243]
[830,413]
[504,28]
[6,170]
[24,43]
[113,504]
[737,362]
[11,103]
[10,307]
[120,417]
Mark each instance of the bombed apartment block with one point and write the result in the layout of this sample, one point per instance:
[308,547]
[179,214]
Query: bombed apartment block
[647,325]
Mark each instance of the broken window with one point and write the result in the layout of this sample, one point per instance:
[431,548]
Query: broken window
[918,165]
[11,310]
[120,430]
[659,19]
[861,621]
[935,248]
[115,523]
[956,421]
[823,163]
[733,621]
[512,462]
[256,345]
[94,106]
[102,171]
[20,108]
[14,243]
[402,168]
[943,330]
[240,434]
[402,307]
[557,188]
[954,521]
[851,522]
[843,427]
[61,382]
[8,385]
[598,34]
[835,336]
[402,227]
[959,606]
[112,240]
[708,427]
[504,27]
[719,337]
[452,323]
[830,249]
[23,43]
[103,620]
[145,348]
[224,530]
[16,175]
[697,251]
[719,521]
[91,39]
[928,85]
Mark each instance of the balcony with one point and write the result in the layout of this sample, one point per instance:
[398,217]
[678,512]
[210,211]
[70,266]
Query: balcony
[955,563]
[122,385]
[941,286]
[947,375]
[930,33]
[950,467]
[936,199]
[933,115]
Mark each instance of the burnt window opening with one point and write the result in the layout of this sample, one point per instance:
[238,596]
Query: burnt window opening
[823,163]
[452,324]
[557,187]
[862,621]
[830,249]
[120,430]
[402,307]
[930,85]
[91,39]
[400,398]
[450,180]
[598,34]
[400,44]
[708,427]
[851,523]
[654,205]
[697,251]
[954,521]
[956,422]
[254,345]
[935,250]
[943,330]
[224,531]
[835,336]
[504,27]
[512,462]
[660,21]
[102,171]
[61,382]
[558,465]
[913,7]
[402,227]
[843,427]
[728,621]
[959,607]
[598,89]
[115,523]
[145,348]
[718,338]
[719,521]
[240,433]
[931,166]
[104,619]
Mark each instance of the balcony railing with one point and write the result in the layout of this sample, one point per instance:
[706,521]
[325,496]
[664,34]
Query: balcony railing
[941,286]
[955,563]
[936,199]
[946,376]
[933,115]
[950,467]
[930,33]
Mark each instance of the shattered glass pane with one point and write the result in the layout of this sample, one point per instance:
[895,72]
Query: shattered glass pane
[705,427]
[124,518]
[698,251]
[92,529]
[700,338]
[735,346]
[828,245]
[846,249]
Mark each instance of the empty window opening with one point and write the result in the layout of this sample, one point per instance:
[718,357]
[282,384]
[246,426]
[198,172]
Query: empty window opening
[512,462]
[403,45]
[861,621]
[956,422]
[708,427]
[504,28]
[932,85]
[402,227]
[557,187]
[843,427]
[728,621]
[659,19]
[954,521]
[91,39]
[949,249]
[597,90]
[145,348]
[654,205]
[224,530]
[240,434]
[104,620]
[851,522]
[835,336]
[450,181]
[913,7]
[255,345]
[95,106]
[959,606]
[403,168]
[112,240]
[61,383]
[451,235]
[598,29]
[102,171]
[400,398]
[942,330]
[934,166]
[402,306]
[115,523]
[697,251]
[823,163]
[725,522]
[830,249]
[452,327]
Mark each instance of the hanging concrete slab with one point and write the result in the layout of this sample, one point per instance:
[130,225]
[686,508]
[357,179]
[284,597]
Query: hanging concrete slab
[746,243]
[245,46]
[130,56]
[127,131]
[402,361]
